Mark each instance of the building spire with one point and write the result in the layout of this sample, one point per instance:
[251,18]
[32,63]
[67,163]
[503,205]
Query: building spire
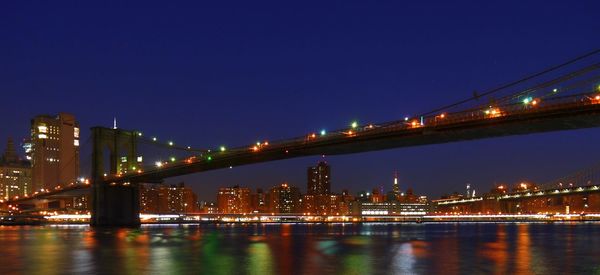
[115,123]
[396,187]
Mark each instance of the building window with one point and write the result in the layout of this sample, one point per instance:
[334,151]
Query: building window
[42,129]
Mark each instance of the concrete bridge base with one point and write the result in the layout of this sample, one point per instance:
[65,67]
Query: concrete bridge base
[115,205]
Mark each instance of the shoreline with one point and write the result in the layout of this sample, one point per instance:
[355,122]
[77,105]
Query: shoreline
[427,221]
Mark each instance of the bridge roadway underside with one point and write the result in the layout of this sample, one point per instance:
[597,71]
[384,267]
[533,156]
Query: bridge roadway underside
[42,199]
[587,116]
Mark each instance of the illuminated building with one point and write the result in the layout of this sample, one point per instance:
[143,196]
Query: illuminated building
[321,204]
[161,199]
[15,174]
[208,208]
[319,178]
[233,200]
[377,196]
[345,202]
[54,151]
[390,209]
[396,186]
[284,199]
[402,205]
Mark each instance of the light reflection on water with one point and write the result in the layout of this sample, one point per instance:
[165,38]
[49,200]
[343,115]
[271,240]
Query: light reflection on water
[448,248]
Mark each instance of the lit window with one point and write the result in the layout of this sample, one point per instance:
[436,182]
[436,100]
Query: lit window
[42,129]
[76,142]
[42,136]
[76,132]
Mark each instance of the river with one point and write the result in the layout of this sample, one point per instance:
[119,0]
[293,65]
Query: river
[377,248]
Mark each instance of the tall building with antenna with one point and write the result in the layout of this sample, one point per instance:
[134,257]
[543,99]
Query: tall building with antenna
[396,186]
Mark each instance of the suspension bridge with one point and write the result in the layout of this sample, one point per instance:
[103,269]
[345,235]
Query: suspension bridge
[562,97]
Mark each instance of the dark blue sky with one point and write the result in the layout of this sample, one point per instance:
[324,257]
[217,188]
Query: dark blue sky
[233,72]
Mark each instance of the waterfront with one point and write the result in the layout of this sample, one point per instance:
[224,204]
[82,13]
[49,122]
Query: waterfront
[539,248]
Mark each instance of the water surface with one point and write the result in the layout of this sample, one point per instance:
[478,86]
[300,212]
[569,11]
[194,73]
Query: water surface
[440,248]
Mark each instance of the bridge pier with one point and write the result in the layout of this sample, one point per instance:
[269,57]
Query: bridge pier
[115,205]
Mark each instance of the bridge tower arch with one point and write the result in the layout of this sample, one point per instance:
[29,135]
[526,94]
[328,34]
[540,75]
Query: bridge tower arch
[114,204]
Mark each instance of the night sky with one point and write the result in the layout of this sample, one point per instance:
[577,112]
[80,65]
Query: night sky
[225,72]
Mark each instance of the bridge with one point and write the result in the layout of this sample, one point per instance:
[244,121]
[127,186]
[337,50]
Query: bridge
[565,101]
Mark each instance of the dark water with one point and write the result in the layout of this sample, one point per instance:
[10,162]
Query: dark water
[448,248]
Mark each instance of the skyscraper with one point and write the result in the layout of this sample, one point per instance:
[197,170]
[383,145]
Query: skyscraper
[319,179]
[54,150]
[15,174]
[396,187]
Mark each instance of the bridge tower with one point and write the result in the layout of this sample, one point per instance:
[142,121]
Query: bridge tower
[114,204]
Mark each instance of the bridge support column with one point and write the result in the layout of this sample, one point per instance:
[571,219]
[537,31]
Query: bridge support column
[114,204]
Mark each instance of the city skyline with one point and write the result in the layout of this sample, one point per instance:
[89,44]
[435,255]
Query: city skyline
[308,137]
[135,76]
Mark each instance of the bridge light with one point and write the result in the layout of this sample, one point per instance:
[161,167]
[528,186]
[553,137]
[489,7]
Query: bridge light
[158,164]
[172,159]
[442,115]
[209,158]
[170,143]
[139,134]
[313,135]
[323,132]
[534,102]
[154,138]
[555,90]
[526,100]
[406,118]
[223,148]
[255,148]
[354,124]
